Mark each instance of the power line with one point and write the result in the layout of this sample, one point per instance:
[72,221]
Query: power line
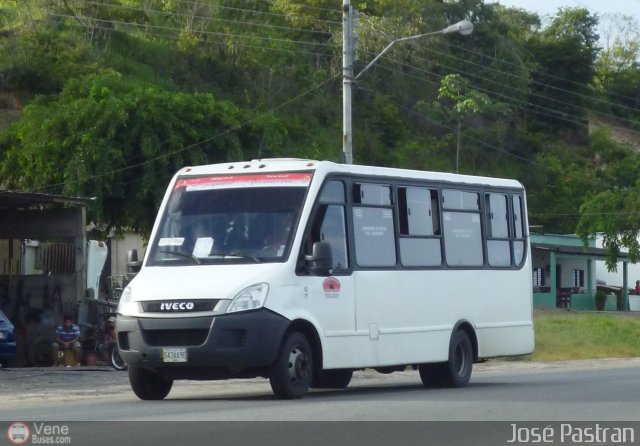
[176,37]
[548,75]
[466,135]
[316,8]
[553,113]
[219,34]
[551,99]
[213,19]
[515,88]
[256,12]
[533,81]
[519,66]
[196,144]
[528,80]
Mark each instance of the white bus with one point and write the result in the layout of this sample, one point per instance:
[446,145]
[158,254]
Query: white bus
[304,271]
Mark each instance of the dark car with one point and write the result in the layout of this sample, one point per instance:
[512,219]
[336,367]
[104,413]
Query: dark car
[7,340]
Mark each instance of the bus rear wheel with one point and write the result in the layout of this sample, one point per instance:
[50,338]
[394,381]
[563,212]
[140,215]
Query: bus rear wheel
[149,385]
[332,379]
[292,371]
[456,372]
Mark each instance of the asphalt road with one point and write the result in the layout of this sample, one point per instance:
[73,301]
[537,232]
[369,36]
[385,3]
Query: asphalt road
[506,403]
[499,391]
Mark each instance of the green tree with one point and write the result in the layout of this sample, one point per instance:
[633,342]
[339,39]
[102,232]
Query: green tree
[462,102]
[120,141]
[565,53]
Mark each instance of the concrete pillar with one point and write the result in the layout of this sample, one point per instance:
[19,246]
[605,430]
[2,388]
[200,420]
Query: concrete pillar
[590,277]
[625,286]
[552,276]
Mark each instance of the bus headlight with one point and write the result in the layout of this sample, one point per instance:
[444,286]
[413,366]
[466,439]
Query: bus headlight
[126,305]
[251,298]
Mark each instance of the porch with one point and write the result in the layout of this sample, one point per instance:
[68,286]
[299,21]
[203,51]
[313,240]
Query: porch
[563,270]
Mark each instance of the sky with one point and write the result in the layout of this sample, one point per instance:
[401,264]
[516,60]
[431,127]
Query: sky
[601,7]
[542,7]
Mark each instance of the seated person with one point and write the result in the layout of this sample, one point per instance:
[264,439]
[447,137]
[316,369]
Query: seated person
[108,338]
[67,338]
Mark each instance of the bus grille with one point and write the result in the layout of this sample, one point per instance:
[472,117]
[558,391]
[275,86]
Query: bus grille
[198,305]
[159,338]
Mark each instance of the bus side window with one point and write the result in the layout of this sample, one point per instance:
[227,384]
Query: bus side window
[329,224]
[333,230]
[419,217]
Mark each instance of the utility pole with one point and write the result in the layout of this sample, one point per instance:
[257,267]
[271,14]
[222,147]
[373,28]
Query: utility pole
[463,27]
[347,80]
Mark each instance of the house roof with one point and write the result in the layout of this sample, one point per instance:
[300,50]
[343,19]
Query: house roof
[14,199]
[572,245]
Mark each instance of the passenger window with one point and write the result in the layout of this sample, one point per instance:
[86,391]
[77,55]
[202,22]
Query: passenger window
[497,223]
[460,200]
[419,217]
[461,228]
[373,194]
[463,239]
[517,216]
[418,211]
[497,216]
[374,236]
[518,229]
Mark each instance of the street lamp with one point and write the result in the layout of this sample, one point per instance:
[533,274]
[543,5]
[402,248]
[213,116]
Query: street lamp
[463,27]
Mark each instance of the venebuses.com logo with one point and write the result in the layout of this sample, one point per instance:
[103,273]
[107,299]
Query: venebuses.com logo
[18,433]
[38,433]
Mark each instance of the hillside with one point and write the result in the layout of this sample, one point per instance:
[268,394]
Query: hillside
[109,98]
[619,131]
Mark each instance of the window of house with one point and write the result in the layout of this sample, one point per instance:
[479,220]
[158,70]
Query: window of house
[538,277]
[577,276]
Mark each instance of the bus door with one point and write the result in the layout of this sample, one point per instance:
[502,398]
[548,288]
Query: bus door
[330,298]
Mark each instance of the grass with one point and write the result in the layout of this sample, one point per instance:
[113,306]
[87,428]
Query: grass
[562,335]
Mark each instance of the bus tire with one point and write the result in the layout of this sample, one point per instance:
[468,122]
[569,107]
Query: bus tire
[291,373]
[116,360]
[457,371]
[332,379]
[148,385]
[431,374]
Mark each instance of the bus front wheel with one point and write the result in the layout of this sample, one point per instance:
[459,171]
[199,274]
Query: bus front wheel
[291,373]
[148,385]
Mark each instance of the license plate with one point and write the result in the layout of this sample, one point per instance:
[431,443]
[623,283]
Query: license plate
[174,355]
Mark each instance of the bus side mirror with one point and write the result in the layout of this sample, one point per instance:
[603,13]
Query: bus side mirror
[133,264]
[321,261]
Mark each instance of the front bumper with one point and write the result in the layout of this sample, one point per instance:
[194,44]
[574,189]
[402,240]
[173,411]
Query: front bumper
[217,346]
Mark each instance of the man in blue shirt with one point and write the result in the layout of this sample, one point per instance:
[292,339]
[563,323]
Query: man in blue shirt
[67,338]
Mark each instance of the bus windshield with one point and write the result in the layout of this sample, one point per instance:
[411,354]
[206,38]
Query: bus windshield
[238,220]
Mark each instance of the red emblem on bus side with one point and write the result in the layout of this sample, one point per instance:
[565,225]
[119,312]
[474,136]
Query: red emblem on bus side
[331,287]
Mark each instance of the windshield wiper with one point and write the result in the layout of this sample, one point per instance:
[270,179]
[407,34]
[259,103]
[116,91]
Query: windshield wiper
[186,255]
[242,255]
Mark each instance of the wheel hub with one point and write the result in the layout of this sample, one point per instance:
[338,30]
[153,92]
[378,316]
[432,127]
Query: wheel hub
[298,365]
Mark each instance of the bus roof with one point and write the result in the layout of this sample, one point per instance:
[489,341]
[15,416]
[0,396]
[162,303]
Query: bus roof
[323,168]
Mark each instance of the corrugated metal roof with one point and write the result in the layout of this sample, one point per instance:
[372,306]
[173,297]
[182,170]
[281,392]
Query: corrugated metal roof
[15,199]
